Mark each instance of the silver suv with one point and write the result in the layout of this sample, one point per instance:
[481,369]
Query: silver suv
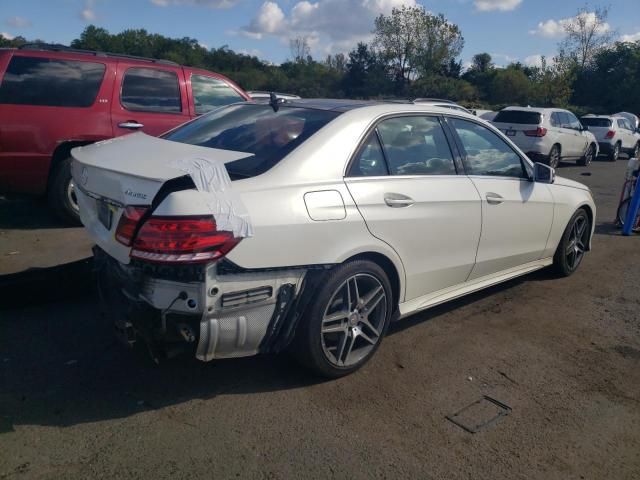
[548,134]
[615,135]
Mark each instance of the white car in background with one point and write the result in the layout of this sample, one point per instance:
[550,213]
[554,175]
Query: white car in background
[550,135]
[315,223]
[615,135]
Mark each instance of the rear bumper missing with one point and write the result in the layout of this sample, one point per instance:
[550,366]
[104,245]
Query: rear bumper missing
[210,311]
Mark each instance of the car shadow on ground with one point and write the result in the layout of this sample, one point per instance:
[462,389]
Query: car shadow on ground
[24,212]
[60,365]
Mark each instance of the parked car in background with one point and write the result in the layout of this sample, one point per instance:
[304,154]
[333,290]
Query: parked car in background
[315,222]
[633,119]
[54,98]
[438,102]
[262,95]
[548,134]
[615,135]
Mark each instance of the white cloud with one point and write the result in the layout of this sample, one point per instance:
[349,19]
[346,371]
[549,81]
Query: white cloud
[88,13]
[534,60]
[198,3]
[6,35]
[501,5]
[329,25]
[556,28]
[632,37]
[18,22]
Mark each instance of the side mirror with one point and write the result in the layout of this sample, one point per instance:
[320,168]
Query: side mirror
[543,173]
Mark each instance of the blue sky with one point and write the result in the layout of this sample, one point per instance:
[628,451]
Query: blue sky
[508,29]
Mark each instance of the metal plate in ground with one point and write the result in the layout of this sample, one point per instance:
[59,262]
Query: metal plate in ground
[479,414]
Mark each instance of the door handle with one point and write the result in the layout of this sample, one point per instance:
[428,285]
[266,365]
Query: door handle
[131,125]
[494,198]
[397,200]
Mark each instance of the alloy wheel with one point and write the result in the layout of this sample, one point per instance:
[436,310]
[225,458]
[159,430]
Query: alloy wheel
[578,238]
[71,196]
[554,157]
[636,151]
[616,152]
[588,158]
[353,321]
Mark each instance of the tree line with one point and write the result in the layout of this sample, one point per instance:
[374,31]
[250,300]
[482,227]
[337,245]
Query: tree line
[415,53]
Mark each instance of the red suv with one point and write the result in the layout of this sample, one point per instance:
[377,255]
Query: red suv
[55,98]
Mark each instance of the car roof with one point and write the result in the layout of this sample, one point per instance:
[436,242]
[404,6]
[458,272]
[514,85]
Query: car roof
[533,109]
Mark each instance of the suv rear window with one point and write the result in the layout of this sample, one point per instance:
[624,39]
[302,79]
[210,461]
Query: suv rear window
[252,128]
[595,122]
[518,116]
[48,82]
[151,90]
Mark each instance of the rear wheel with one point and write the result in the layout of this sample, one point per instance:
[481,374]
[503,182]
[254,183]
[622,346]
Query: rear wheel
[636,151]
[61,194]
[615,152]
[573,244]
[554,156]
[588,156]
[345,323]
[621,215]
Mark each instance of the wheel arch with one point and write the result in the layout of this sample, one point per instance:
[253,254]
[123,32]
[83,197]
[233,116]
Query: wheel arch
[389,268]
[62,151]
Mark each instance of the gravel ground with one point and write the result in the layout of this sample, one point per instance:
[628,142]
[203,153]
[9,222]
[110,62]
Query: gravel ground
[564,354]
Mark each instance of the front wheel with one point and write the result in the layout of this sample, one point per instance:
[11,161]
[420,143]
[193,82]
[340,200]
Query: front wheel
[62,195]
[573,244]
[588,156]
[345,323]
[554,156]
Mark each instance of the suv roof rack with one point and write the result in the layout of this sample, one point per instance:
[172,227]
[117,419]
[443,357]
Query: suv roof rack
[54,47]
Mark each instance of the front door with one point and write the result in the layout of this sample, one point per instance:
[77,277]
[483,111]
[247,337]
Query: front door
[405,184]
[517,213]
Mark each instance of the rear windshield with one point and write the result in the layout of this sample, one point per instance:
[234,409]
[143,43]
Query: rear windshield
[595,122]
[253,128]
[518,116]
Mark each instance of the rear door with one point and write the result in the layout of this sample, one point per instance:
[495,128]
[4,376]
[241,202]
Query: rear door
[150,98]
[405,184]
[517,213]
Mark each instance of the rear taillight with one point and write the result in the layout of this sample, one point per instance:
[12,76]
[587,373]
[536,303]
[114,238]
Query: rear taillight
[538,132]
[610,134]
[128,224]
[181,240]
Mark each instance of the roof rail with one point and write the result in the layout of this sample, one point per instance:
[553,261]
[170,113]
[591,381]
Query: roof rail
[54,47]
[439,100]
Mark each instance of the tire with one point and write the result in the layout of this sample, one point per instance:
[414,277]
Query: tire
[349,339]
[635,153]
[573,244]
[588,157]
[61,198]
[615,153]
[554,156]
[621,214]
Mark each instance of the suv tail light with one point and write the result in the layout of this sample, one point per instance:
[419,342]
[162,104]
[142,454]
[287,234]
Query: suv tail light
[128,223]
[610,134]
[538,132]
[181,240]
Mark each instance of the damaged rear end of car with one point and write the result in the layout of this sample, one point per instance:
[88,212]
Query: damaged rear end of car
[164,216]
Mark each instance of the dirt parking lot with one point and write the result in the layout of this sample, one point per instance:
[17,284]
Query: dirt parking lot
[563,354]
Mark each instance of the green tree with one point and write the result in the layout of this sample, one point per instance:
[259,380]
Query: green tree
[509,85]
[586,34]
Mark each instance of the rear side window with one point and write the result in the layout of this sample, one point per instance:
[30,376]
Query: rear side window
[151,90]
[370,160]
[210,93]
[486,153]
[253,128]
[518,117]
[54,83]
[596,122]
[416,146]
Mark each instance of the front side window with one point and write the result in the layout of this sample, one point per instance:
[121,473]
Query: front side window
[256,129]
[574,122]
[486,153]
[210,93]
[370,160]
[54,83]
[416,146]
[151,90]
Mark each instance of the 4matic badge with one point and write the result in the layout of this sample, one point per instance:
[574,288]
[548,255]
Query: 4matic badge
[132,194]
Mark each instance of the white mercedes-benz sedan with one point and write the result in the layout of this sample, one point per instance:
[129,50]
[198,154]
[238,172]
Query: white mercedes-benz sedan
[313,224]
